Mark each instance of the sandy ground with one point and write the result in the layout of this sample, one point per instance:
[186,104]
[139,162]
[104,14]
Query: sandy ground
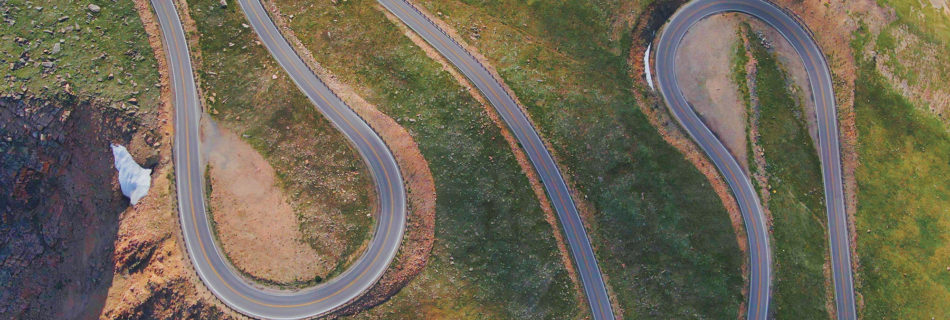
[256,226]
[941,4]
[704,71]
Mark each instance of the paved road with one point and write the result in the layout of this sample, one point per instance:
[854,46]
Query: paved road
[209,263]
[820,80]
[554,184]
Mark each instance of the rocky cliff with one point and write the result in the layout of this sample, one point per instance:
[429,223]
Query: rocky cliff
[59,204]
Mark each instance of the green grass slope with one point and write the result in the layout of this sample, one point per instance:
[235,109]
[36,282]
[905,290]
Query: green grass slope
[494,254]
[799,232]
[904,201]
[662,236]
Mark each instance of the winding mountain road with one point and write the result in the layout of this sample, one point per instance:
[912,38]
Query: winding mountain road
[819,78]
[517,121]
[206,256]
[251,300]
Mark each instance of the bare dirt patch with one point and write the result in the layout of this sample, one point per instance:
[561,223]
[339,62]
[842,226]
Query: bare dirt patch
[319,172]
[154,279]
[256,226]
[704,72]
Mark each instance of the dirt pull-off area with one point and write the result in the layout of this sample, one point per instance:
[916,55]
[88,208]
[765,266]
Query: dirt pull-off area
[704,71]
[255,225]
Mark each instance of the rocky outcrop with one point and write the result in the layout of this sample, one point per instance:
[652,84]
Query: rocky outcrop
[59,205]
[169,301]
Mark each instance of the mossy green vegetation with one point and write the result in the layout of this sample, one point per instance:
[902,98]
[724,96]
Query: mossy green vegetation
[322,176]
[662,236]
[494,255]
[903,200]
[793,169]
[46,46]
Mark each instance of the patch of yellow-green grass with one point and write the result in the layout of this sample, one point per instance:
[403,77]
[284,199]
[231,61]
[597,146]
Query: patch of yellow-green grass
[923,17]
[903,213]
[661,234]
[322,176]
[494,255]
[912,54]
[101,56]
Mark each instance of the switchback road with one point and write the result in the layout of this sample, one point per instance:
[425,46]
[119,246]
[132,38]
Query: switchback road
[819,78]
[206,256]
[517,121]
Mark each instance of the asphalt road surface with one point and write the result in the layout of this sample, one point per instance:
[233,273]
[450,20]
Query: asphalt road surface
[210,264]
[511,113]
[820,80]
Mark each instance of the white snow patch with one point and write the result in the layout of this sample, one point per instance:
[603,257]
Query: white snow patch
[646,67]
[133,179]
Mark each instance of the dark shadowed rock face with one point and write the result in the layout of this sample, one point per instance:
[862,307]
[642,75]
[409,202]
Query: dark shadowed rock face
[59,206]
[166,303]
